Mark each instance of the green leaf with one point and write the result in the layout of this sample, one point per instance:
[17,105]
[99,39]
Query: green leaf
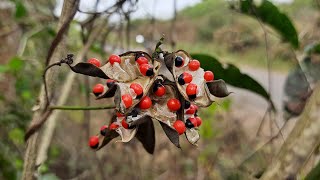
[3,68]
[314,174]
[21,10]
[16,135]
[231,75]
[51,31]
[15,64]
[312,49]
[270,14]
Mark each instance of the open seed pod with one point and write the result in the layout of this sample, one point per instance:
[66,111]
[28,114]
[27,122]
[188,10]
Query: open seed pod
[169,89]
[191,81]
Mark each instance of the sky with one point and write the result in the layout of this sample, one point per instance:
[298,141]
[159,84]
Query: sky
[161,9]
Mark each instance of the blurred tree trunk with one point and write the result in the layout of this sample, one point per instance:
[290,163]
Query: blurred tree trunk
[300,144]
[30,167]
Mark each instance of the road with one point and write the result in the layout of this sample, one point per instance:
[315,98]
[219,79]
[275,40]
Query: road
[249,108]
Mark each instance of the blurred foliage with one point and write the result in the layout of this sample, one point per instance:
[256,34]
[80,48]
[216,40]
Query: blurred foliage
[21,10]
[270,14]
[232,75]
[314,174]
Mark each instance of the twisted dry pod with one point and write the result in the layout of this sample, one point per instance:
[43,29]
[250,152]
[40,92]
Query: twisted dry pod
[168,88]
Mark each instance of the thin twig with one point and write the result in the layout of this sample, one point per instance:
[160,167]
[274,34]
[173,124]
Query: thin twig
[80,108]
[268,67]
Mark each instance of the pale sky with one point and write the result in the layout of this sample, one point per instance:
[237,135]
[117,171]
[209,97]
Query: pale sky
[161,9]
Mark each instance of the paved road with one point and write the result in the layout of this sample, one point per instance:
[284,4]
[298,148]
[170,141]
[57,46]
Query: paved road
[248,108]
[245,99]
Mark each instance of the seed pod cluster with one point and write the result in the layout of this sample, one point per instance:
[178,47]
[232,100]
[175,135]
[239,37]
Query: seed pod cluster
[169,89]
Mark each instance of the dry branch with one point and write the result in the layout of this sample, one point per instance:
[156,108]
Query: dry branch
[29,168]
[51,122]
[300,144]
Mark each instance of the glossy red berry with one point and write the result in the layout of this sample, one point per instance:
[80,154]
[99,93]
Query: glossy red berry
[199,120]
[191,109]
[146,70]
[103,130]
[94,142]
[191,123]
[208,76]
[127,100]
[114,59]
[159,89]
[191,90]
[178,61]
[113,126]
[184,78]
[124,123]
[137,89]
[179,126]
[110,82]
[145,103]
[142,60]
[95,62]
[194,65]
[173,104]
[98,89]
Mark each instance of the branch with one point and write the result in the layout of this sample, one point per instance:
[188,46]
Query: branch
[300,144]
[80,108]
[67,86]
[29,167]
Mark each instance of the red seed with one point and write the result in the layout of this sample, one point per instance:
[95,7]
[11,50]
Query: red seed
[179,126]
[145,103]
[194,65]
[179,61]
[114,59]
[94,142]
[199,120]
[191,90]
[142,60]
[146,70]
[127,100]
[113,126]
[160,90]
[194,121]
[137,88]
[124,123]
[98,89]
[109,82]
[184,78]
[208,76]
[119,114]
[95,62]
[103,130]
[191,109]
[173,104]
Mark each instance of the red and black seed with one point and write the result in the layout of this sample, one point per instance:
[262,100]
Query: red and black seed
[193,96]
[103,130]
[181,80]
[189,124]
[178,61]
[150,72]
[110,82]
[138,55]
[187,104]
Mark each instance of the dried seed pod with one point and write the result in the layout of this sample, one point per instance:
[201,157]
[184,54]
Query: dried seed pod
[165,89]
